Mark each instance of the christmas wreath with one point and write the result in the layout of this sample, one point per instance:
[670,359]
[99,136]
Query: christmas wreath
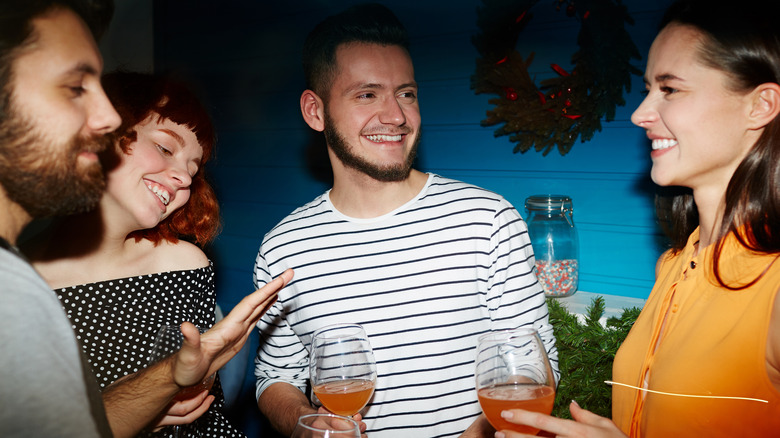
[569,105]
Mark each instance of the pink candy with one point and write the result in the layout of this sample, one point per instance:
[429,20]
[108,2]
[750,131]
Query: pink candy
[558,278]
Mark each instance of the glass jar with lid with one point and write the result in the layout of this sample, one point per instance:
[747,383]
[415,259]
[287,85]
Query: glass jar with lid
[554,238]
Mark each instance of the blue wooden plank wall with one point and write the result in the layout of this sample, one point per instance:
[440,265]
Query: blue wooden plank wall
[245,56]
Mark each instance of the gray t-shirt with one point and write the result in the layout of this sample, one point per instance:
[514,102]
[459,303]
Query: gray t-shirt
[45,388]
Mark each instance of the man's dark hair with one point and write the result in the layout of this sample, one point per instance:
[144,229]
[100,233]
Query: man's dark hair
[16,30]
[366,23]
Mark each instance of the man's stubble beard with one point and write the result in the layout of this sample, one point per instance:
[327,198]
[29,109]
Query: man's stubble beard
[348,158]
[47,179]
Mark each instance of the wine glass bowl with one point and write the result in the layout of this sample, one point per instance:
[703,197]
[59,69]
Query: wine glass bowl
[342,368]
[513,371]
[325,426]
[191,391]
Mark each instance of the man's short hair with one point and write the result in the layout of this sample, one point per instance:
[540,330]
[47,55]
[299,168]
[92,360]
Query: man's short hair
[366,23]
[16,30]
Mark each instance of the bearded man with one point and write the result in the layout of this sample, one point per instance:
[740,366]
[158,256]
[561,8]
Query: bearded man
[54,119]
[426,264]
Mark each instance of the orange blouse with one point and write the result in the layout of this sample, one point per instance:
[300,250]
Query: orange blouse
[713,344]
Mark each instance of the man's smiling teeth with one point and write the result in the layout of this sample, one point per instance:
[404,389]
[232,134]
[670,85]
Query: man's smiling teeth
[378,138]
[164,196]
[663,143]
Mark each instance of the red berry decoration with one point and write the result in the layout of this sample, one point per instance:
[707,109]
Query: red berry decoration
[568,105]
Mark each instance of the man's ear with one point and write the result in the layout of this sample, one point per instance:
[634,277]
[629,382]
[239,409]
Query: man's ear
[313,110]
[766,105]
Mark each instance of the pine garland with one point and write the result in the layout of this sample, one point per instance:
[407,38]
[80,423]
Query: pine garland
[565,107]
[585,355]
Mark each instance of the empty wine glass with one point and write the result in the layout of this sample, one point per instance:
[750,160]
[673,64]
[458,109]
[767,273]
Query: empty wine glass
[325,426]
[168,341]
[342,368]
[513,372]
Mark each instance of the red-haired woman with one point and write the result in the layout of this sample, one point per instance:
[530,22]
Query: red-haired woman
[133,264]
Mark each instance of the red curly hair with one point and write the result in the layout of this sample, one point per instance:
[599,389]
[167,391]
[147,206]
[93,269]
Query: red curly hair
[136,97]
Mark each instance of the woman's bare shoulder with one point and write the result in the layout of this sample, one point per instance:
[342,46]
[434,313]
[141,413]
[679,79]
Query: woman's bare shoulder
[178,256]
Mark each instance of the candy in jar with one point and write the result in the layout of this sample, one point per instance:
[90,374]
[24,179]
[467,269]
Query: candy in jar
[556,247]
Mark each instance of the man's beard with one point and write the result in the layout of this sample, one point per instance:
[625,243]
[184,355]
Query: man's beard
[345,154]
[47,179]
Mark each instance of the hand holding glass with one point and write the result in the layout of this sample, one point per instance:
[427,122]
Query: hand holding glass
[513,371]
[342,368]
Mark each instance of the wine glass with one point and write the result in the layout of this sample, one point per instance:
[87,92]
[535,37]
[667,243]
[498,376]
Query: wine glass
[168,341]
[513,371]
[325,426]
[342,368]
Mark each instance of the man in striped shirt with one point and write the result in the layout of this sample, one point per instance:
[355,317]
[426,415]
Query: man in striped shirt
[426,264]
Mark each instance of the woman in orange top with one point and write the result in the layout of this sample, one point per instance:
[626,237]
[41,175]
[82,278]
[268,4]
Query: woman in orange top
[703,358]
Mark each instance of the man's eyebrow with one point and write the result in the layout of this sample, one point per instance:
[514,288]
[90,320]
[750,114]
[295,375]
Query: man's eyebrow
[361,86]
[83,68]
[374,86]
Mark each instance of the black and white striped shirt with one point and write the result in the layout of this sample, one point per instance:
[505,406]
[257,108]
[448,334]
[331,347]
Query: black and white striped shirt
[424,280]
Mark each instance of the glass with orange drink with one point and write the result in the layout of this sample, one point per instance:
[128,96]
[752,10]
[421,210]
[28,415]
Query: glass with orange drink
[342,368]
[513,371]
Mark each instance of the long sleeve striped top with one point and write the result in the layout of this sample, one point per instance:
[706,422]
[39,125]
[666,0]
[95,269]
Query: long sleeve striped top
[424,280]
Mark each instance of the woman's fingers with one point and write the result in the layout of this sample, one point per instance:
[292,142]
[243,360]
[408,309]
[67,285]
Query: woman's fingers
[585,416]
[585,424]
[185,411]
[252,305]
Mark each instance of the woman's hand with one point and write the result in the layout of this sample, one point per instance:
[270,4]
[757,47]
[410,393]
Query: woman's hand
[585,424]
[203,355]
[184,411]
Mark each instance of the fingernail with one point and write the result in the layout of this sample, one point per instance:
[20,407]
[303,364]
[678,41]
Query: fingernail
[574,402]
[507,414]
[500,435]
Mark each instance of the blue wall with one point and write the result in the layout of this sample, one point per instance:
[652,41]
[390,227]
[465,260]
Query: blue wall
[246,57]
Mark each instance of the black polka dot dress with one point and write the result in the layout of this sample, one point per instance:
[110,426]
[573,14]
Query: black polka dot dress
[116,322]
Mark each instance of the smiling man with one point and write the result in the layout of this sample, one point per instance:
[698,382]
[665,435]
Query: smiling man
[426,264]
[54,119]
